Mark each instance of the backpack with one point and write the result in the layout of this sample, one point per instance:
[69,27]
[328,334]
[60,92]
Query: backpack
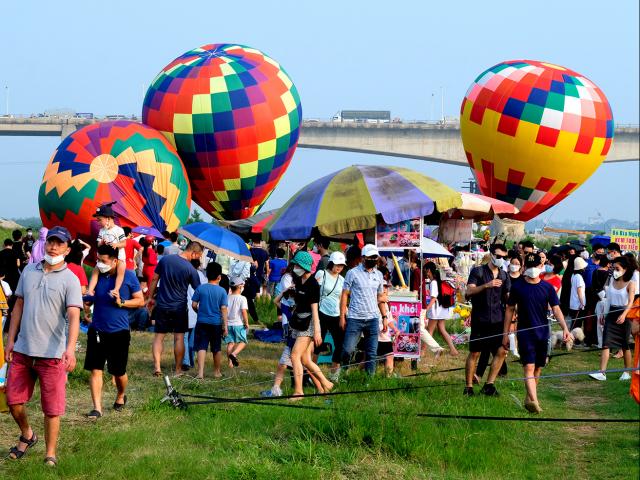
[447,297]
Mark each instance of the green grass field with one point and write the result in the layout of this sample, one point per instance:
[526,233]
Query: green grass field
[377,435]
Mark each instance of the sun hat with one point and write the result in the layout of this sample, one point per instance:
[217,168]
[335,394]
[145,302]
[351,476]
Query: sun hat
[338,258]
[304,260]
[236,281]
[579,264]
[105,211]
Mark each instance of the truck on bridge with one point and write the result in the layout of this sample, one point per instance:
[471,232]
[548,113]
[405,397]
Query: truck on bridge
[362,116]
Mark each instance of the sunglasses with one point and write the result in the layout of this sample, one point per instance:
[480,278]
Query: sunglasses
[500,256]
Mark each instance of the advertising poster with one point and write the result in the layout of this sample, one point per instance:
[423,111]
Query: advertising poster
[406,315]
[627,239]
[405,234]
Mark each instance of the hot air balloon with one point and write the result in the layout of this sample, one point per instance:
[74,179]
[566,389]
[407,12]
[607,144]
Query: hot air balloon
[234,116]
[533,132]
[123,162]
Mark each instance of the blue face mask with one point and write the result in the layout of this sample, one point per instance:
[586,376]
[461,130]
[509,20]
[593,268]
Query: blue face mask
[548,269]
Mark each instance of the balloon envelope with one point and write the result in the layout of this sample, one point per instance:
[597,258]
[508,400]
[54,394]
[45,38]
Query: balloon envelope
[234,116]
[533,132]
[123,162]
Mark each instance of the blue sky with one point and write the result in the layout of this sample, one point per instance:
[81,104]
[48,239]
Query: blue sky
[100,57]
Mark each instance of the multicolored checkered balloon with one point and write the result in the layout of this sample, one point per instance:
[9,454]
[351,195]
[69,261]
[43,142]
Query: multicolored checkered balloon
[234,116]
[123,162]
[533,132]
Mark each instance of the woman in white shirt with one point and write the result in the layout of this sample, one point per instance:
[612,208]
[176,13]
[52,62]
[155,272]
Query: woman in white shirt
[620,295]
[437,314]
[331,283]
[577,299]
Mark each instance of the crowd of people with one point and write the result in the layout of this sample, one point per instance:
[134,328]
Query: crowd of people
[204,300]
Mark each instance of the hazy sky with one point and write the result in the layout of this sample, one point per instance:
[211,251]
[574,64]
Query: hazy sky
[100,57]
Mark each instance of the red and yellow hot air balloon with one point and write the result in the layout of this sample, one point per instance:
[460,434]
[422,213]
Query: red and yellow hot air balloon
[533,132]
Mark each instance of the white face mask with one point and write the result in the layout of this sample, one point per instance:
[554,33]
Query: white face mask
[498,262]
[514,268]
[617,274]
[532,272]
[299,271]
[610,256]
[103,267]
[53,260]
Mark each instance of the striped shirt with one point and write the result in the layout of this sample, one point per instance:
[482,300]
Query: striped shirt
[364,288]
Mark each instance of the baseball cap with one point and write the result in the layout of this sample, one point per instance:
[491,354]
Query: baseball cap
[532,260]
[370,250]
[61,233]
[236,281]
[338,258]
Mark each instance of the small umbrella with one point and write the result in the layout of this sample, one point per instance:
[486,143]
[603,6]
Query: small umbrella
[147,231]
[428,248]
[350,200]
[481,207]
[253,224]
[218,239]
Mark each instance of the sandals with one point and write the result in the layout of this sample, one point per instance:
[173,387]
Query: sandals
[94,415]
[51,461]
[157,373]
[18,454]
[234,360]
[118,407]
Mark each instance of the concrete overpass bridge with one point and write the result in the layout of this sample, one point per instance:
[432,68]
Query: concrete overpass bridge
[418,140]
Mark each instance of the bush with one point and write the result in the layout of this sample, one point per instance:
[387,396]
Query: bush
[267,312]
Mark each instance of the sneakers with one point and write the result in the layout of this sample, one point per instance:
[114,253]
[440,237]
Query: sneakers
[625,376]
[468,392]
[274,392]
[489,389]
[599,376]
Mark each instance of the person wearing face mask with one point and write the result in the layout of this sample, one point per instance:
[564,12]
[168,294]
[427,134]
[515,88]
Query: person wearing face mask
[305,325]
[620,294]
[577,299]
[363,292]
[488,287]
[532,297]
[613,252]
[48,294]
[27,243]
[108,336]
[515,268]
[172,277]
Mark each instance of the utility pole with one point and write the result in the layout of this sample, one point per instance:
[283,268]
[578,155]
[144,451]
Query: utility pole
[6,99]
[471,185]
[433,95]
[442,105]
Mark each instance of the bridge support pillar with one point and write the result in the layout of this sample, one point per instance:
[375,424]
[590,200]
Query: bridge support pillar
[67,130]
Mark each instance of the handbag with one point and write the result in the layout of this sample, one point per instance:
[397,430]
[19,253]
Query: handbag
[300,321]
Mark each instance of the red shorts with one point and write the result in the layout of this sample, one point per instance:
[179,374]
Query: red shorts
[21,378]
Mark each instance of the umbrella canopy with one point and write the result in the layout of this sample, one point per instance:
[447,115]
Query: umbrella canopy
[428,248]
[349,200]
[147,231]
[218,239]
[253,224]
[481,207]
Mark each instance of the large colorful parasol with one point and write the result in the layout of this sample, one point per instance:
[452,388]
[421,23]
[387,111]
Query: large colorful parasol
[349,200]
[218,239]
